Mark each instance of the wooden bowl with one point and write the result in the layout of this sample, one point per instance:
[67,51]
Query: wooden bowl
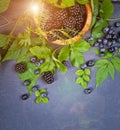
[83,31]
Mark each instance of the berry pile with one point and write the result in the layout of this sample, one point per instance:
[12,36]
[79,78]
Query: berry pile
[110,41]
[67,19]
[48,77]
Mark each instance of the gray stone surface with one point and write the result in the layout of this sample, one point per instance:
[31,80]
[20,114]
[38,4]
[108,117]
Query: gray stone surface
[68,109]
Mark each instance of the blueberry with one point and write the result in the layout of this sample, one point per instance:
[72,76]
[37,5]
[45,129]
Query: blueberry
[90,39]
[105,41]
[111,31]
[83,66]
[113,41]
[25,96]
[88,90]
[111,49]
[102,49]
[37,63]
[35,88]
[42,61]
[33,59]
[37,71]
[109,43]
[105,30]
[96,44]
[108,36]
[117,24]
[101,45]
[26,82]
[116,48]
[102,54]
[118,40]
[90,63]
[44,95]
[99,40]
[114,37]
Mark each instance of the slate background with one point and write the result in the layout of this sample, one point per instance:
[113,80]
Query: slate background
[68,109]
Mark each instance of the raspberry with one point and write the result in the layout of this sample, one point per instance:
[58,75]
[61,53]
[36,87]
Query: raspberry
[48,77]
[20,67]
[61,14]
[69,23]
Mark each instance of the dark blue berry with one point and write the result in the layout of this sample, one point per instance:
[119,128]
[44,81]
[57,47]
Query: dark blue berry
[108,36]
[109,43]
[26,82]
[35,88]
[101,45]
[33,59]
[118,40]
[102,49]
[44,95]
[37,63]
[37,71]
[90,63]
[106,30]
[105,41]
[102,54]
[25,96]
[96,44]
[42,61]
[88,90]
[111,49]
[117,24]
[99,40]
[83,66]
[90,39]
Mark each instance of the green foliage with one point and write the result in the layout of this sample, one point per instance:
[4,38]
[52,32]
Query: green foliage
[107,66]
[4,40]
[106,9]
[76,50]
[39,98]
[82,1]
[83,77]
[4,4]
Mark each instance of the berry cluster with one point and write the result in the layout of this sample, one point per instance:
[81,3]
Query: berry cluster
[68,19]
[20,67]
[110,41]
[48,77]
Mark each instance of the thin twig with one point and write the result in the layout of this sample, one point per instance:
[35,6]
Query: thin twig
[4,18]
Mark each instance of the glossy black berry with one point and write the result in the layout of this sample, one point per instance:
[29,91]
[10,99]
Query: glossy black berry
[33,59]
[100,40]
[25,96]
[117,24]
[105,41]
[90,63]
[88,90]
[35,88]
[111,49]
[37,63]
[44,95]
[37,71]
[26,82]
[48,77]
[109,44]
[20,67]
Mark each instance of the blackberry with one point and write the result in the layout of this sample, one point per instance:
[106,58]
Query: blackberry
[48,77]
[88,90]
[61,14]
[75,10]
[79,22]
[69,23]
[33,59]
[20,67]
[57,24]
[25,96]
[26,82]
[90,63]
[49,25]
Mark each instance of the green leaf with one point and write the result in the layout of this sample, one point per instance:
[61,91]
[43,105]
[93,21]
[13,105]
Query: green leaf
[95,8]
[64,53]
[79,72]
[81,46]
[79,80]
[42,91]
[96,51]
[84,84]
[111,70]
[41,52]
[87,71]
[61,67]
[97,31]
[15,52]
[101,75]
[4,40]
[4,4]
[101,62]
[37,93]
[86,78]
[106,9]
[76,58]
[116,63]
[45,100]
[38,100]
[83,1]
